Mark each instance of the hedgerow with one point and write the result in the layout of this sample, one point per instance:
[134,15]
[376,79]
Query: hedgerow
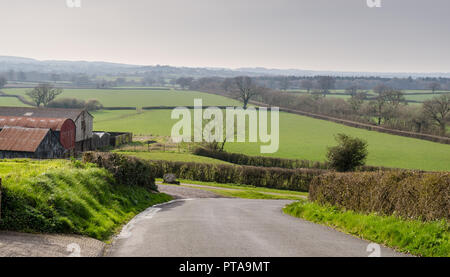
[270,177]
[408,194]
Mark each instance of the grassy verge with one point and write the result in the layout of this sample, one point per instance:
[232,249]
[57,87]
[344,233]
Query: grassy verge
[419,238]
[245,191]
[61,197]
[251,194]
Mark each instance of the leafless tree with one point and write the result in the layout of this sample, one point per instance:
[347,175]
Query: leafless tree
[434,86]
[3,82]
[246,89]
[307,84]
[284,83]
[438,110]
[227,84]
[44,94]
[386,101]
[326,83]
[184,82]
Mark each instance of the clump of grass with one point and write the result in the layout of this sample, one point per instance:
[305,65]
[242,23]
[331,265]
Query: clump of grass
[411,236]
[59,197]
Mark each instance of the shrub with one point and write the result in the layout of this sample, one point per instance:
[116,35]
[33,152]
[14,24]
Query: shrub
[67,103]
[348,154]
[93,105]
[74,103]
[126,170]
[409,194]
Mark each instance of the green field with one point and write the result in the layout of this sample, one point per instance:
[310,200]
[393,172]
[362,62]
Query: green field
[300,138]
[174,157]
[139,98]
[11,101]
[424,94]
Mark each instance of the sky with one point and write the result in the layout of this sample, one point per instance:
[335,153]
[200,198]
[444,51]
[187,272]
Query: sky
[341,35]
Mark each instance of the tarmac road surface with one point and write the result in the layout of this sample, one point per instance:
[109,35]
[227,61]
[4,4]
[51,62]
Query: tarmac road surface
[224,227]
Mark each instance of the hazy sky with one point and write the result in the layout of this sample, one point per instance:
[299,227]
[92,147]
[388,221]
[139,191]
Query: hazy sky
[347,35]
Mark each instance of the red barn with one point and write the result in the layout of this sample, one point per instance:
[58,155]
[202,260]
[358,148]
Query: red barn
[63,128]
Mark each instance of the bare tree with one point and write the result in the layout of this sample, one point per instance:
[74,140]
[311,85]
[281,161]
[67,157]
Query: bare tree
[356,100]
[184,82]
[227,84]
[3,82]
[44,94]
[246,89]
[353,89]
[434,86]
[386,101]
[438,110]
[307,84]
[284,83]
[325,84]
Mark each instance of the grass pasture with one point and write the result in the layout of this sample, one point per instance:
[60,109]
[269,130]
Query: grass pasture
[139,97]
[174,157]
[300,138]
[11,102]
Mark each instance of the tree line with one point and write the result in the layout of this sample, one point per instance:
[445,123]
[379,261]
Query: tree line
[387,107]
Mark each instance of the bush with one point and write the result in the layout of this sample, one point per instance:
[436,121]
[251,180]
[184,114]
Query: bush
[348,155]
[242,159]
[409,194]
[126,170]
[74,103]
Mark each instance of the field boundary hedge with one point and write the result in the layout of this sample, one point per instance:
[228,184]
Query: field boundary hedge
[261,161]
[408,194]
[355,124]
[242,159]
[439,139]
[270,177]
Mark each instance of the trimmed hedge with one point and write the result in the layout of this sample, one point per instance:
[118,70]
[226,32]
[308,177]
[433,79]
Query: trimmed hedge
[243,159]
[279,178]
[126,170]
[408,194]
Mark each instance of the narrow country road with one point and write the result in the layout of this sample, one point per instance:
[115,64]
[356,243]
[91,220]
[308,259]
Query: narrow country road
[227,227]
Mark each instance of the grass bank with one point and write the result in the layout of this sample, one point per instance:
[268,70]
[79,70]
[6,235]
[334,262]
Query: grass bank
[62,197]
[429,239]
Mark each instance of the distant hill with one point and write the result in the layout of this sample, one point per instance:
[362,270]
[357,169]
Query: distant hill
[8,63]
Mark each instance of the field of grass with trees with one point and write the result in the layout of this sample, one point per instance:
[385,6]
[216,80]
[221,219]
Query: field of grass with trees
[301,137]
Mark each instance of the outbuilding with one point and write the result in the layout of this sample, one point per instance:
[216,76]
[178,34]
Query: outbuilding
[36,143]
[83,120]
[63,128]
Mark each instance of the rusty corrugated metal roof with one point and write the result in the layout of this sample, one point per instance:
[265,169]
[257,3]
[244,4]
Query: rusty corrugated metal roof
[21,139]
[42,112]
[32,122]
